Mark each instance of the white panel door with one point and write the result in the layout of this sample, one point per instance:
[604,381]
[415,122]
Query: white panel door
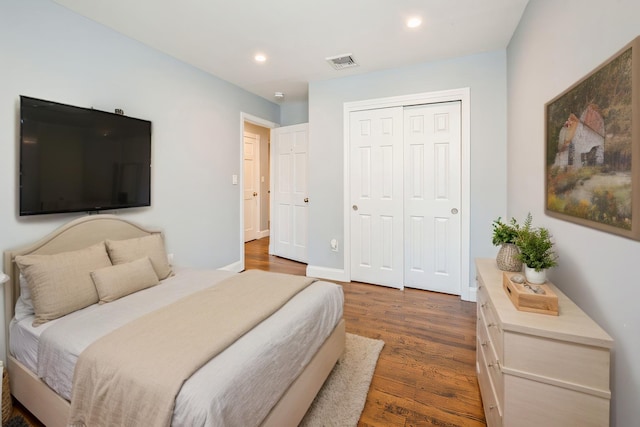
[251,185]
[289,217]
[432,139]
[376,196]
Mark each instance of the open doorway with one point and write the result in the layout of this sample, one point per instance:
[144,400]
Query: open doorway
[255,183]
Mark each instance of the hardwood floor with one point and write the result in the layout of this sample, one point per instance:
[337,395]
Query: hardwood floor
[426,371]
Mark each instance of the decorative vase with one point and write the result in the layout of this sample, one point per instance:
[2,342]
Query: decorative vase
[535,277]
[507,258]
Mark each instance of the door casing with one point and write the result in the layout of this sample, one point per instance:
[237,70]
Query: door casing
[462,95]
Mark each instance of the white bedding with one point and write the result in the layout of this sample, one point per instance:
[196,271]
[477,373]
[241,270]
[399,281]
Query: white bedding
[238,387]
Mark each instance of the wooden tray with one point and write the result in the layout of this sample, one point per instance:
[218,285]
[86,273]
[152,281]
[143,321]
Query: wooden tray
[524,299]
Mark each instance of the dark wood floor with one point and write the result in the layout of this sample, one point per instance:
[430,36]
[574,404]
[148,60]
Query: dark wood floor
[426,372]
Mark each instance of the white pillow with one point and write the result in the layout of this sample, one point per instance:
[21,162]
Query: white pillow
[24,304]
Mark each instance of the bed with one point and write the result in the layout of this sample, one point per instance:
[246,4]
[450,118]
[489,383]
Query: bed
[279,359]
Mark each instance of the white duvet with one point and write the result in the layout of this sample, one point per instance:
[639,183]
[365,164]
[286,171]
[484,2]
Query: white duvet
[237,387]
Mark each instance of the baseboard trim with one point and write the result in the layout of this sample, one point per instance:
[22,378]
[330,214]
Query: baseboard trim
[335,274]
[236,267]
[473,295]
[262,234]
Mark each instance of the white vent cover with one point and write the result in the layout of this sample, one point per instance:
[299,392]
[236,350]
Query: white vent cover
[342,61]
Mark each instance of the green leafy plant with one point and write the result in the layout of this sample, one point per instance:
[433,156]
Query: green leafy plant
[504,232]
[536,247]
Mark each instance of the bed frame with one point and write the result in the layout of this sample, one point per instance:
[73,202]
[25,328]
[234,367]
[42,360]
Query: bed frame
[53,410]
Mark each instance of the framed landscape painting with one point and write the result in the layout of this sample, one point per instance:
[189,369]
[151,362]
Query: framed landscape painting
[592,152]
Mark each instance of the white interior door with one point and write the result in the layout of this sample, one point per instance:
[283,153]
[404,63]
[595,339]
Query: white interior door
[376,196]
[251,172]
[432,139]
[289,207]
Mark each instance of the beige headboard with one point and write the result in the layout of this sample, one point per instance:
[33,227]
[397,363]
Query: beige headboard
[77,234]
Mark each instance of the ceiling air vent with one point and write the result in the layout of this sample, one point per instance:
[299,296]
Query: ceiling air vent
[342,61]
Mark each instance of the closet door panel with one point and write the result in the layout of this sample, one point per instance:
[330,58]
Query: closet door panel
[376,162]
[432,197]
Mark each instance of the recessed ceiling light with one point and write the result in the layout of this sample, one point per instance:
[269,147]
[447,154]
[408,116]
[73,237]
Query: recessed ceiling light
[260,58]
[414,22]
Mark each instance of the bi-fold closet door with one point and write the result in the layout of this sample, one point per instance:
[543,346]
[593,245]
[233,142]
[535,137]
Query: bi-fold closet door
[405,196]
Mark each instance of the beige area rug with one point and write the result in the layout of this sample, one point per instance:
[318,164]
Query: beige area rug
[342,397]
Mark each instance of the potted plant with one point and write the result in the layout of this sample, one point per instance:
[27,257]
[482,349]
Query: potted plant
[505,235]
[536,251]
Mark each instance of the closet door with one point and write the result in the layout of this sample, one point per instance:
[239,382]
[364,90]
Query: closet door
[405,175]
[376,196]
[432,169]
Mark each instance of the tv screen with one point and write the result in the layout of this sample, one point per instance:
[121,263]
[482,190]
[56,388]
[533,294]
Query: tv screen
[75,159]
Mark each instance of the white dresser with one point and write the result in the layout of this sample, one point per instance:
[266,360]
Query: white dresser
[538,369]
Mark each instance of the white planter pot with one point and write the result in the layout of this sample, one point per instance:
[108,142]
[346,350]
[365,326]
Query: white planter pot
[535,277]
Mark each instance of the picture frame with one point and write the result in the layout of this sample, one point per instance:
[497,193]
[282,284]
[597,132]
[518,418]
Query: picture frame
[592,149]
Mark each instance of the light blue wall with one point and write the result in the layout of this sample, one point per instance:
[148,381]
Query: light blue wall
[484,74]
[294,113]
[51,53]
[555,45]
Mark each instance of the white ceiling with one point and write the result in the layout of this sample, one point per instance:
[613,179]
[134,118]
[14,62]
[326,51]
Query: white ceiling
[222,36]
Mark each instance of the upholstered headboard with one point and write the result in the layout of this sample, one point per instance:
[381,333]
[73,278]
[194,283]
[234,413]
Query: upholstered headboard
[77,234]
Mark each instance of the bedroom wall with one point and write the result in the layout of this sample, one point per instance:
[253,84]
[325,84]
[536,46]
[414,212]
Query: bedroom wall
[596,268]
[484,74]
[294,113]
[51,53]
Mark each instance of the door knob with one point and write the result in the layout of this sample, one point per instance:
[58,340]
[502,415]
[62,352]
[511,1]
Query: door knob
[454,211]
[355,207]
[306,200]
[255,194]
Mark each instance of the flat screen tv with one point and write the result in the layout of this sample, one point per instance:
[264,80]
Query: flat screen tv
[75,159]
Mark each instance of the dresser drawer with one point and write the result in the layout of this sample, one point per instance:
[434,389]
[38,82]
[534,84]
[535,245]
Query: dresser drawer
[536,404]
[490,403]
[492,361]
[486,310]
[576,365]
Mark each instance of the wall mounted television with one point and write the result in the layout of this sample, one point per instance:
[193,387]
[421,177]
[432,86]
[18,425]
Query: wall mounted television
[75,159]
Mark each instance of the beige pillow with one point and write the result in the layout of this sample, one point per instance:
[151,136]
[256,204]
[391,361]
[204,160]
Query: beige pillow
[61,283]
[120,280]
[152,246]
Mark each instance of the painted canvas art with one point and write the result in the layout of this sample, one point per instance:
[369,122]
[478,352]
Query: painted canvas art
[591,145]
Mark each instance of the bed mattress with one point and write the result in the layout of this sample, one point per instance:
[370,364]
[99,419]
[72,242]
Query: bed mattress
[237,387]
